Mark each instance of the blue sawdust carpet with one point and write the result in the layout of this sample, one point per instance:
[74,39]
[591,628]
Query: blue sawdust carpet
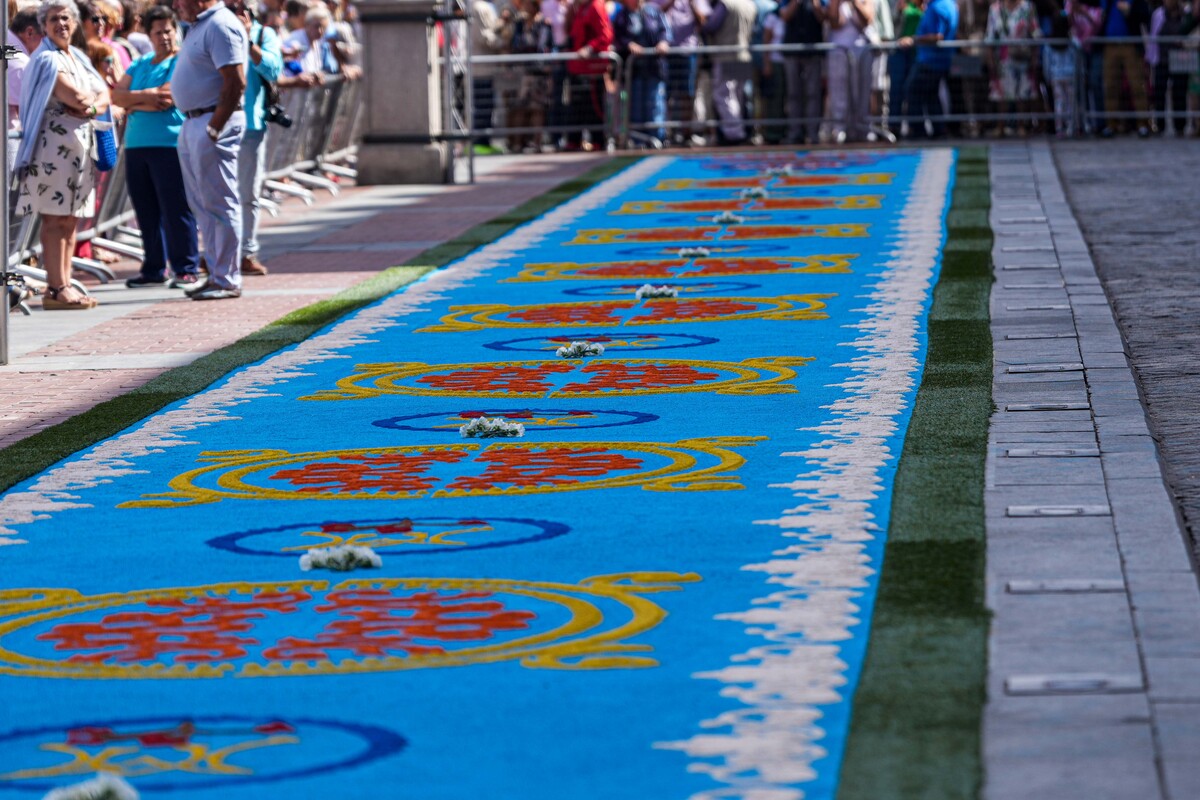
[661,590]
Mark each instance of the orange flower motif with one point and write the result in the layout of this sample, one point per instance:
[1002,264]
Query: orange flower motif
[614,377]
[523,467]
[191,630]
[674,309]
[572,313]
[377,623]
[394,473]
[502,379]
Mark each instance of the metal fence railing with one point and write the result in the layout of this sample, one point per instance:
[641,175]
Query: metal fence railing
[874,92]
[321,142]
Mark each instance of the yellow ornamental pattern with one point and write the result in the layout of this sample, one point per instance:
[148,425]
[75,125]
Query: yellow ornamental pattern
[860,179]
[194,758]
[790,308]
[529,379]
[602,614]
[667,269]
[704,234]
[243,474]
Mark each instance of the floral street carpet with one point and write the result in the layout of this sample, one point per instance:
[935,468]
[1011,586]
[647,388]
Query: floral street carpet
[662,589]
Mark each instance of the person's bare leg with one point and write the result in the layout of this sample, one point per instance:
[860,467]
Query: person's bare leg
[58,245]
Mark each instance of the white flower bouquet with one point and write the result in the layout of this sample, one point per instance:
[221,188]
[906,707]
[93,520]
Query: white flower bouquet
[491,428]
[580,350]
[647,291]
[342,558]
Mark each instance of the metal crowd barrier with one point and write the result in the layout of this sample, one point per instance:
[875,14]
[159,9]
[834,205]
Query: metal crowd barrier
[532,101]
[991,88]
[322,141]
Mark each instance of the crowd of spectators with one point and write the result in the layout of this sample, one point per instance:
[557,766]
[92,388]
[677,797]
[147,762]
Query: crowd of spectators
[873,69]
[184,87]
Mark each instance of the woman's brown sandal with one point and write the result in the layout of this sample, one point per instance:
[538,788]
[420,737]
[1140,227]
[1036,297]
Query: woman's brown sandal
[51,301]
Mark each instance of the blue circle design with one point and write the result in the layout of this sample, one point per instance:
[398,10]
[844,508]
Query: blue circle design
[548,344]
[378,743]
[627,290]
[515,415]
[545,529]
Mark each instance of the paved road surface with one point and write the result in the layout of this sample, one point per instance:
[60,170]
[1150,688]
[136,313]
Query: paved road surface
[1137,205]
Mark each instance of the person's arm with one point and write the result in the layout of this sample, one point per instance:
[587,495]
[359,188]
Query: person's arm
[267,60]
[157,98]
[768,39]
[835,13]
[714,21]
[302,81]
[81,102]
[603,38]
[490,27]
[233,85]
[866,12]
[623,44]
[667,38]
[932,37]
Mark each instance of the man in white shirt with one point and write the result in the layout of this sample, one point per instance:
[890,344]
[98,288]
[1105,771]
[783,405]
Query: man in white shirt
[208,86]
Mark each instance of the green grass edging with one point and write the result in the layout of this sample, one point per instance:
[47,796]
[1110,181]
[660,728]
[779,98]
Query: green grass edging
[25,458]
[915,724]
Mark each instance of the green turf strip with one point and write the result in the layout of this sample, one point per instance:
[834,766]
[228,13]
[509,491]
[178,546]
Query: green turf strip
[915,729]
[29,456]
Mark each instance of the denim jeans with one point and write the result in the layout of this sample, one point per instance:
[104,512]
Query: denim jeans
[648,104]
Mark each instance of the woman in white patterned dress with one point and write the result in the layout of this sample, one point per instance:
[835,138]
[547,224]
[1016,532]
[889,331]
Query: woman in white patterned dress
[61,95]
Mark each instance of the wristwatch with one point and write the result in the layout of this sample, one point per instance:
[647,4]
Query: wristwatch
[212,132]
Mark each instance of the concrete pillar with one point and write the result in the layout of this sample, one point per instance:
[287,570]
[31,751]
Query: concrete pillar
[403,94]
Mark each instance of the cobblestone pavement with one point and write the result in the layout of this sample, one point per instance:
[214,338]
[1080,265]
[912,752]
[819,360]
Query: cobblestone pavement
[63,364]
[1137,206]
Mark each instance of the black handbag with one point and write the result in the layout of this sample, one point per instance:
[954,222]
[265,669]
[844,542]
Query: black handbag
[274,110]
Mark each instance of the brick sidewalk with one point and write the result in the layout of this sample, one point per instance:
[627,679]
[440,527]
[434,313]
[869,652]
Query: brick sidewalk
[63,364]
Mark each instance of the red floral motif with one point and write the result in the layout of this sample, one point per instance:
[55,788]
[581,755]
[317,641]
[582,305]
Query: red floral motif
[795,203]
[552,466]
[375,622]
[728,183]
[399,526]
[572,314]
[769,231]
[666,234]
[199,629]
[700,206]
[612,376]
[668,309]
[617,235]
[708,267]
[501,379]
[817,180]
[382,473]
[633,269]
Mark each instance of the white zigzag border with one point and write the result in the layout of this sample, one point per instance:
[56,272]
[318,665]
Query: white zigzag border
[765,750]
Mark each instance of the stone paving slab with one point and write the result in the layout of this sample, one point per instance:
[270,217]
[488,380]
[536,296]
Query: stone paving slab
[1141,627]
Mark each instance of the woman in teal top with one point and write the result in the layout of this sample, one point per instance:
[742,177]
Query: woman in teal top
[152,162]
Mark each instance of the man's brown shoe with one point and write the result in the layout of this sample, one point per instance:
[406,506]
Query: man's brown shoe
[251,266]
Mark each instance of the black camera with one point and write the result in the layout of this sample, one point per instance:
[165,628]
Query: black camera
[277,114]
